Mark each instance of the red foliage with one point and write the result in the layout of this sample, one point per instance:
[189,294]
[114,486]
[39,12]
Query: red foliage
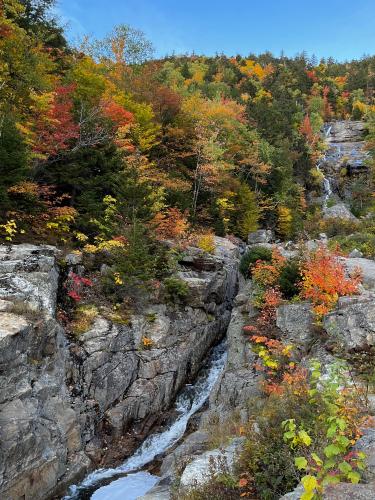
[307,130]
[116,113]
[55,129]
[172,224]
[75,284]
[312,75]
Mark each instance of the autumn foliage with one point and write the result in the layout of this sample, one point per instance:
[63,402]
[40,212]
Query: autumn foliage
[325,280]
[55,128]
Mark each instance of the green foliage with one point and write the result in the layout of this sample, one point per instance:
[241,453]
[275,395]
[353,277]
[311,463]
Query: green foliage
[175,289]
[13,160]
[247,212]
[290,279]
[252,256]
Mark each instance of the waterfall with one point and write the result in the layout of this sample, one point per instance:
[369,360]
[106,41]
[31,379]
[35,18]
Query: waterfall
[327,188]
[137,482]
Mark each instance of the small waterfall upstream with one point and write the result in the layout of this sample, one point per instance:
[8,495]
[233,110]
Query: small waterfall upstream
[128,481]
[327,188]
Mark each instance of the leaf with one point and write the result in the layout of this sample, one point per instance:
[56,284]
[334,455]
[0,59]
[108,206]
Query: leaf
[309,483]
[331,450]
[316,459]
[300,463]
[289,435]
[345,467]
[304,437]
[307,496]
[331,479]
[354,477]
[331,431]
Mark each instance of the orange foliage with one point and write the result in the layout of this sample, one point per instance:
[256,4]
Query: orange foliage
[307,131]
[324,281]
[267,274]
[170,224]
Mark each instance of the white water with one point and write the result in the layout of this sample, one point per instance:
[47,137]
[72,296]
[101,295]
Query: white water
[191,399]
[327,189]
[134,485]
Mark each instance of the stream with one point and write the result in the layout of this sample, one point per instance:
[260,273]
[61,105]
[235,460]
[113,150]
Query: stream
[130,480]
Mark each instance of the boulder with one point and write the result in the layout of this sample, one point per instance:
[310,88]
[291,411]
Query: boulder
[355,254]
[338,211]
[348,491]
[352,323]
[296,323]
[29,275]
[366,266]
[366,444]
[199,470]
[260,236]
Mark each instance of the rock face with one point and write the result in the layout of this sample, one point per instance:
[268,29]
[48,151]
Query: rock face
[39,431]
[296,323]
[237,385]
[347,131]
[260,236]
[345,146]
[63,400]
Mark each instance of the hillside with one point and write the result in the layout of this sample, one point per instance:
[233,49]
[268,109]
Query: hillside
[187,270]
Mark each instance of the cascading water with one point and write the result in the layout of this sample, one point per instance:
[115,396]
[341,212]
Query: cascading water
[131,482]
[327,189]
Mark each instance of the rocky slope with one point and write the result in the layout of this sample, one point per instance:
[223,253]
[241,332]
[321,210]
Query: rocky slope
[352,324]
[63,400]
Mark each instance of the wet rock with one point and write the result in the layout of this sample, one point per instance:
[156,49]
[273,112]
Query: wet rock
[347,131]
[199,470]
[260,236]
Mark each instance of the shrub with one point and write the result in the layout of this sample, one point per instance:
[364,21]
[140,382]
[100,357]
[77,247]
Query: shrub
[251,257]
[84,316]
[364,242]
[324,281]
[175,289]
[313,443]
[290,279]
[207,243]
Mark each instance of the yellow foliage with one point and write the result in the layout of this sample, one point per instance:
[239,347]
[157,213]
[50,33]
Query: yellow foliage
[207,243]
[251,68]
[285,220]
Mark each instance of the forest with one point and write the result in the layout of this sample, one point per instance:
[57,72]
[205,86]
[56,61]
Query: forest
[103,145]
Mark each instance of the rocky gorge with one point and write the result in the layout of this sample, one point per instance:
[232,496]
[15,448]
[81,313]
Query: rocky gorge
[64,402]
[72,404]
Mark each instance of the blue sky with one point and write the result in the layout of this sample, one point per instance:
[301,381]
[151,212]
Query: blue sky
[344,29]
